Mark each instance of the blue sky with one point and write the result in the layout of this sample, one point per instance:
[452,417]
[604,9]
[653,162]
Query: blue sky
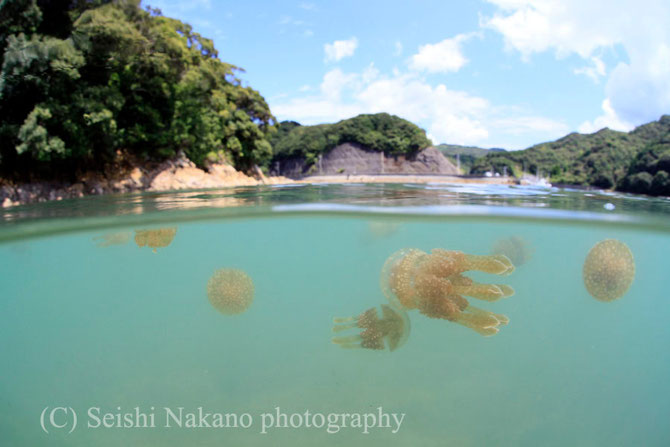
[494,73]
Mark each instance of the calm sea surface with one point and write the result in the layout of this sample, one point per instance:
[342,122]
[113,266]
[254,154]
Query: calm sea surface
[104,309]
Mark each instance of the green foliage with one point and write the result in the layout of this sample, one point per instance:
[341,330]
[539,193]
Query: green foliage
[601,159]
[648,173]
[379,132]
[102,76]
[35,138]
[466,154]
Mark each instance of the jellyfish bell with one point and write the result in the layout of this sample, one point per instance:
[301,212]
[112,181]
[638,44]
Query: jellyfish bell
[397,277]
[609,270]
[516,248]
[230,291]
[155,239]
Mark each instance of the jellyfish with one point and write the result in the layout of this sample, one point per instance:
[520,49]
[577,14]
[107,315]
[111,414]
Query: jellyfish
[382,229]
[609,270]
[230,291]
[516,248]
[391,330]
[155,238]
[434,284]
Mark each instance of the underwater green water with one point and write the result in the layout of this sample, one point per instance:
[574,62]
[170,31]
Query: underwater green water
[86,326]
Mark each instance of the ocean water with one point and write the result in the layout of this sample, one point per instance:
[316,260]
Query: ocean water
[92,323]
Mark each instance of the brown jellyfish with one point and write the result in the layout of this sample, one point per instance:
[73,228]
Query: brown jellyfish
[155,238]
[609,270]
[391,330]
[516,248]
[230,291]
[433,283]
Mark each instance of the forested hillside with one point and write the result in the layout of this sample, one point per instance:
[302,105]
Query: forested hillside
[379,132]
[83,81]
[465,155]
[603,159]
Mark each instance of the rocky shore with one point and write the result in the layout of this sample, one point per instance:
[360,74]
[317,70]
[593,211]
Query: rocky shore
[345,164]
[176,174]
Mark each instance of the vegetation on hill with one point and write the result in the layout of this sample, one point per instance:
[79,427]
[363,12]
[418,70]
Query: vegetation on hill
[379,132]
[466,155]
[649,173]
[84,82]
[81,80]
[602,159]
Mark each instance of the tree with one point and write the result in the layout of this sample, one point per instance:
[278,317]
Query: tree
[105,76]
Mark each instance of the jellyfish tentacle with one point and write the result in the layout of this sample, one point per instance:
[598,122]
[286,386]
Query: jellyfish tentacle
[479,317]
[485,292]
[339,327]
[504,319]
[495,264]
[347,339]
[338,320]
[483,322]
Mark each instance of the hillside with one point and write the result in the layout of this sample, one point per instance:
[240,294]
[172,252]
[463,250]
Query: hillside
[649,173]
[602,159]
[466,154]
[84,84]
[378,132]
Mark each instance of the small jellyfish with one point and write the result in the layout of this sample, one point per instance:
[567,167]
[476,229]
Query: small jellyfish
[155,238]
[516,248]
[230,291]
[391,330]
[382,229]
[609,270]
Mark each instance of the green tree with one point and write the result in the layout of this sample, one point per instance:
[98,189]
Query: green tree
[82,79]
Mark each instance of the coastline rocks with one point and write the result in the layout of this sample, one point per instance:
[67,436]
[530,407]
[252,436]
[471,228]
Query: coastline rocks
[188,176]
[353,158]
[175,174]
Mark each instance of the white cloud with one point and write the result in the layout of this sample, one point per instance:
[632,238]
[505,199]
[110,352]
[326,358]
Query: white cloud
[445,56]
[637,90]
[340,49]
[609,119]
[451,116]
[595,70]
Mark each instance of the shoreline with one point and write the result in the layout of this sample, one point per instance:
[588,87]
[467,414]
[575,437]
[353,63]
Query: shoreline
[190,177]
[179,173]
[407,178]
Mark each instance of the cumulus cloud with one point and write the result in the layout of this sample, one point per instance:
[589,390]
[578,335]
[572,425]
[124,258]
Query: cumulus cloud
[340,49]
[595,70]
[609,119]
[637,90]
[450,116]
[445,56]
